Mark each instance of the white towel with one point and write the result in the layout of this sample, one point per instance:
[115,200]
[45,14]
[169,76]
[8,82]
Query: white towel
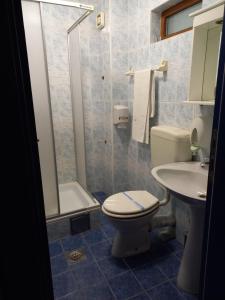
[143,105]
[152,94]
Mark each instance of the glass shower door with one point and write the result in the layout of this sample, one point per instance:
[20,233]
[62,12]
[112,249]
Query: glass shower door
[41,102]
[77,103]
[54,62]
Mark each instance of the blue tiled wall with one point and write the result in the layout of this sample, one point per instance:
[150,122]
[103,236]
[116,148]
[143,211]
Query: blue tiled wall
[96,84]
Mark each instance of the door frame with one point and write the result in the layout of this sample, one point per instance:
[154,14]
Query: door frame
[25,263]
[213,254]
[25,202]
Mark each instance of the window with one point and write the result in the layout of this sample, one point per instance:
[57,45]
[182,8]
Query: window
[175,19]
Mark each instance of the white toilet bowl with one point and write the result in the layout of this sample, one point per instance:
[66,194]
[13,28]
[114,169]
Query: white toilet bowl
[131,213]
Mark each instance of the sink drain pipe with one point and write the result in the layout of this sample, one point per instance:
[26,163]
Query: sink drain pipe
[167,221]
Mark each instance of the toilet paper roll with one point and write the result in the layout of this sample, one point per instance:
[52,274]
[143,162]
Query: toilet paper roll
[200,135]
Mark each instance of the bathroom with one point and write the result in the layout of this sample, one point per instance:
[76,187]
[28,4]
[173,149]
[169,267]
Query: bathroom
[84,60]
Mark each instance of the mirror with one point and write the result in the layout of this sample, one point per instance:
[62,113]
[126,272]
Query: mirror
[211,61]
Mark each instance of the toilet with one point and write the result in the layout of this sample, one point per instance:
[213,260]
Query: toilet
[131,212]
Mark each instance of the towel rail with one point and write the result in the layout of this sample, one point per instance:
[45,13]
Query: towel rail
[163,67]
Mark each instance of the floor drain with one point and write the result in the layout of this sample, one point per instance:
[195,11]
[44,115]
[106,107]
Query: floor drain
[76,255]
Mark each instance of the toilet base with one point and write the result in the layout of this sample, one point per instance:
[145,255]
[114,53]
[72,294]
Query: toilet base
[127,244]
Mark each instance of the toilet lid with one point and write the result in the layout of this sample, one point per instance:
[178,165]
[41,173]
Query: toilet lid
[131,202]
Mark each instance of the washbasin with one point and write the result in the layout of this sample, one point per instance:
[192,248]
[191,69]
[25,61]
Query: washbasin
[187,181]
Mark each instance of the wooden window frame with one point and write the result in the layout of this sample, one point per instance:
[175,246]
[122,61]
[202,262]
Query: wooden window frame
[172,11]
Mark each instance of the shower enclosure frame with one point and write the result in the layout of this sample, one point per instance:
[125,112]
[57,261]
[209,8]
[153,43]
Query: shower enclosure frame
[88,9]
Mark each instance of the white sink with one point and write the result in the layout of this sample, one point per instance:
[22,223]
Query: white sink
[188,182]
[185,179]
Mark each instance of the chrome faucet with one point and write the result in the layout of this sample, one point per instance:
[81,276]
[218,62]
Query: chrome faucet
[204,160]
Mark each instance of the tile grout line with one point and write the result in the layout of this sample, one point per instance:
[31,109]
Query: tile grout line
[159,269]
[141,283]
[168,280]
[107,283]
[129,268]
[94,260]
[145,290]
[61,273]
[180,293]
[69,268]
[132,297]
[61,298]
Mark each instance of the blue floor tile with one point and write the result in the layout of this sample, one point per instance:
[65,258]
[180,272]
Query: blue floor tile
[103,220]
[99,292]
[88,275]
[55,248]
[139,260]
[64,284]
[174,246]
[72,242]
[186,296]
[77,295]
[158,249]
[94,236]
[72,296]
[111,266]
[142,296]
[169,266]
[125,286]
[58,264]
[165,291]
[109,230]
[100,194]
[149,276]
[110,240]
[101,250]
[179,254]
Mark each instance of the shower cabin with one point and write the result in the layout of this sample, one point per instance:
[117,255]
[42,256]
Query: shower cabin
[52,38]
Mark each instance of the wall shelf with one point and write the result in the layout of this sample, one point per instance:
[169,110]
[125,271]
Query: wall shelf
[211,103]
